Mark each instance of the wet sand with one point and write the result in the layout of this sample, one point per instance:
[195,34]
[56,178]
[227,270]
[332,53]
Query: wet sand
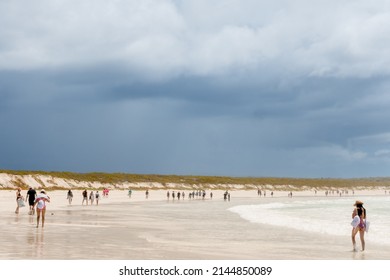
[145,229]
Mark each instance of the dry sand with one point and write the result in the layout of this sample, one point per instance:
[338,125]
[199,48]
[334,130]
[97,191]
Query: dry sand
[138,228]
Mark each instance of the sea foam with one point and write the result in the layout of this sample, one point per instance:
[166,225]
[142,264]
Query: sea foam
[325,216]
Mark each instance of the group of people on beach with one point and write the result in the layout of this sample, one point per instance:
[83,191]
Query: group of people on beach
[37,202]
[192,195]
[37,205]
[92,197]
[264,192]
[327,192]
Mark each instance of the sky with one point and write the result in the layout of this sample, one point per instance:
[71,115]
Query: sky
[196,87]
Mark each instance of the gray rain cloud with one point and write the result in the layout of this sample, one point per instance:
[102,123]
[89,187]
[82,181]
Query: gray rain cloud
[235,88]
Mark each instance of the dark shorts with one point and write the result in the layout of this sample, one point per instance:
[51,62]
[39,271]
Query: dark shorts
[31,202]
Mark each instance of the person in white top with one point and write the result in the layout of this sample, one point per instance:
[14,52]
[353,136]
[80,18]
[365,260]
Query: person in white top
[40,203]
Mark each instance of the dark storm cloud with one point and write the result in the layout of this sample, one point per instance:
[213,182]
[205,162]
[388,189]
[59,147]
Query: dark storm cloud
[142,126]
[192,87]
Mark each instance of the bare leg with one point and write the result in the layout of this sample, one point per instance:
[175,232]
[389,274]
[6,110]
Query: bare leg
[43,216]
[38,216]
[361,232]
[354,232]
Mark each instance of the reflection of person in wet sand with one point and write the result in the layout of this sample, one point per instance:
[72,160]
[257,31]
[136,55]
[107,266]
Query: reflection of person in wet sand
[359,211]
[40,203]
[39,243]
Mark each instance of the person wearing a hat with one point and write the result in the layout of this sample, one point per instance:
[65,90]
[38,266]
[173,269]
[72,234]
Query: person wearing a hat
[40,203]
[361,212]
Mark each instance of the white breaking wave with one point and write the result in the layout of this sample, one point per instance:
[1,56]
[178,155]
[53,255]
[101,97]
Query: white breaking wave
[327,216]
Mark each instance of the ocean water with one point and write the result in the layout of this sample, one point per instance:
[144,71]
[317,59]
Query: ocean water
[329,215]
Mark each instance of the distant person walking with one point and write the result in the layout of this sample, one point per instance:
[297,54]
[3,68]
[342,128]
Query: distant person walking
[19,200]
[147,194]
[225,195]
[31,195]
[97,195]
[69,196]
[92,197]
[40,203]
[85,197]
[359,216]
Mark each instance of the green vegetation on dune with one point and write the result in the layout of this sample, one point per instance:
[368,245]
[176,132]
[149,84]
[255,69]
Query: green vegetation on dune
[117,178]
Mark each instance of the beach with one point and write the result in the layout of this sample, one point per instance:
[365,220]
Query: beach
[140,228]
